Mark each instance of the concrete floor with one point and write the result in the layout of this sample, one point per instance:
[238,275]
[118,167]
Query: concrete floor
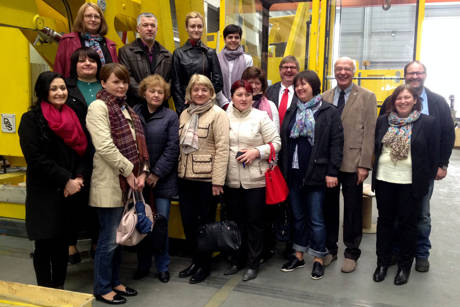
[275,288]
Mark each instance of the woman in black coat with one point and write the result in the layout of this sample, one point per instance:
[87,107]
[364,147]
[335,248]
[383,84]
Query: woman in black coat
[55,146]
[406,156]
[310,158]
[161,126]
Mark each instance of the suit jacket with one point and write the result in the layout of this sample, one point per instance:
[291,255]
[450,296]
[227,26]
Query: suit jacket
[273,94]
[358,120]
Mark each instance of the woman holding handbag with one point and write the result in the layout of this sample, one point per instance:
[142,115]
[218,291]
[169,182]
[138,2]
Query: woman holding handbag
[120,162]
[252,135]
[312,138]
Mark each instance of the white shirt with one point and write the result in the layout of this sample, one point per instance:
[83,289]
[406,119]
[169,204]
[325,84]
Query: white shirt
[290,95]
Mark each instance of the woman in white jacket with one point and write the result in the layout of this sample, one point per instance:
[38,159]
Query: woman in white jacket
[251,131]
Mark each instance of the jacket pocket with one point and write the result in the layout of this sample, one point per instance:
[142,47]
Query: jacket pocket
[202,164]
[203,131]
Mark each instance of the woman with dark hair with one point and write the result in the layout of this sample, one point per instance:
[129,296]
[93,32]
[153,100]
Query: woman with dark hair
[251,132]
[406,156]
[120,163]
[55,147]
[312,146]
[88,30]
[82,86]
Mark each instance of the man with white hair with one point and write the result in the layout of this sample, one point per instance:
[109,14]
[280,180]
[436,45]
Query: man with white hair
[358,108]
[145,56]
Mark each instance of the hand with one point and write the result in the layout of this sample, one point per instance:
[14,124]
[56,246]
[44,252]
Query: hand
[131,179]
[331,182]
[217,190]
[441,173]
[152,180]
[362,175]
[140,182]
[249,155]
[72,186]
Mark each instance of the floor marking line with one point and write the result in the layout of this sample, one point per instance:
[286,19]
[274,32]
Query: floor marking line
[221,295]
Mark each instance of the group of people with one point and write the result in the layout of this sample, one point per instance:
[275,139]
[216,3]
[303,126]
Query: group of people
[101,127]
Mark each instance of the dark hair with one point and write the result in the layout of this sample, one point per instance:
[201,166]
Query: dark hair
[391,106]
[120,71]
[84,52]
[413,62]
[255,73]
[42,86]
[240,83]
[233,29]
[311,78]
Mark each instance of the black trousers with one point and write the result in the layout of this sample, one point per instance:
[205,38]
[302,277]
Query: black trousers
[82,217]
[198,207]
[395,202]
[247,208]
[352,215]
[50,262]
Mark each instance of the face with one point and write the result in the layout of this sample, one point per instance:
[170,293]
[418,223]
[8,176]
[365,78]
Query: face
[195,28]
[147,29]
[115,86]
[287,72]
[343,70]
[57,94]
[404,103]
[155,96]
[415,76]
[86,67]
[303,90]
[256,85]
[92,20]
[232,41]
[242,99]
[200,94]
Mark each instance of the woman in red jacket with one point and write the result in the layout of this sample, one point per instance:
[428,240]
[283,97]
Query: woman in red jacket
[88,30]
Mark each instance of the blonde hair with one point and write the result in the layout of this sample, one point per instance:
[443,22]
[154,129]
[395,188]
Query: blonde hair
[79,24]
[197,79]
[154,81]
[191,15]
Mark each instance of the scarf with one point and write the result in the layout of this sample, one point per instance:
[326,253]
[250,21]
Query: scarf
[189,138]
[133,150]
[94,41]
[239,65]
[66,125]
[261,103]
[305,120]
[399,134]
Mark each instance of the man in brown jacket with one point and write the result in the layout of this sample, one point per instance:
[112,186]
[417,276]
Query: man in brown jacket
[358,107]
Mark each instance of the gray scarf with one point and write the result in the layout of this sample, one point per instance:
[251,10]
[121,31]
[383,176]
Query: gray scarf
[189,138]
[239,66]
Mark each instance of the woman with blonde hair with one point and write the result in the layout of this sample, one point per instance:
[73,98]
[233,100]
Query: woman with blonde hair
[203,159]
[88,30]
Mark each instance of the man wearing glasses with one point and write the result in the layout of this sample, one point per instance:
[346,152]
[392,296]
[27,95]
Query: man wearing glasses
[434,105]
[358,108]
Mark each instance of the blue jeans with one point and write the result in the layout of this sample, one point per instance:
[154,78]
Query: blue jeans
[424,226]
[108,253]
[309,227]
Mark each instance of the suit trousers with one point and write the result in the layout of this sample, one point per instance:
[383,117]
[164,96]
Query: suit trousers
[50,262]
[352,215]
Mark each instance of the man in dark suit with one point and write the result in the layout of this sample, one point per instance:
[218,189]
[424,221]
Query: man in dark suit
[434,105]
[358,108]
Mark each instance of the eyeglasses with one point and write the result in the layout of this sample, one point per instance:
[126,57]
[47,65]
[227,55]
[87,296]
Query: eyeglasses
[415,73]
[91,16]
[289,67]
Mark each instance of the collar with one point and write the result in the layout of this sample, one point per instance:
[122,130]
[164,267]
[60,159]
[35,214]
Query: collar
[290,88]
[239,113]
[347,90]
[144,46]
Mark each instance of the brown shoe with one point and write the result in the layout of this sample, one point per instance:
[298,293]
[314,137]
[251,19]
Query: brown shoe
[328,259]
[349,265]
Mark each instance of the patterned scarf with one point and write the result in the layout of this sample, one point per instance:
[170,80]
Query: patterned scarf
[305,120]
[399,134]
[94,41]
[134,150]
[189,138]
[239,66]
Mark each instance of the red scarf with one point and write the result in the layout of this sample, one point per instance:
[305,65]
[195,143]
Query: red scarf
[66,125]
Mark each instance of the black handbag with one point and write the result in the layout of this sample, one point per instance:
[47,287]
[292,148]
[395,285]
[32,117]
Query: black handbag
[219,236]
[159,233]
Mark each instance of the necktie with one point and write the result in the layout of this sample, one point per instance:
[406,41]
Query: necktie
[341,102]
[283,105]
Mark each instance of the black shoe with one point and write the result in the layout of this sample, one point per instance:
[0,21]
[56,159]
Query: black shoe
[117,299]
[128,292]
[422,265]
[163,276]
[189,271]
[318,270]
[292,264]
[199,276]
[250,274]
[402,276]
[75,258]
[233,269]
[139,274]
[380,273]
